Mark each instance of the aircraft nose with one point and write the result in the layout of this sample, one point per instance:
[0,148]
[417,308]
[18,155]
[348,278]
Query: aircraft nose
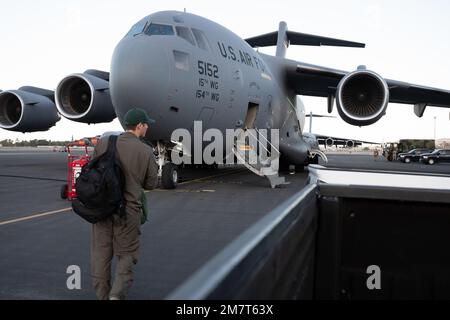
[139,76]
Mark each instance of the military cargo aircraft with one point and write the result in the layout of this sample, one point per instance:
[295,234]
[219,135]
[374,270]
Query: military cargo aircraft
[317,139]
[182,68]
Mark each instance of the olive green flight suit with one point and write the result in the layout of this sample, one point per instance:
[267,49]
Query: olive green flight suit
[117,236]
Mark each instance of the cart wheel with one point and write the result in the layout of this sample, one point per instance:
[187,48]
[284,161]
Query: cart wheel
[169,177]
[63,191]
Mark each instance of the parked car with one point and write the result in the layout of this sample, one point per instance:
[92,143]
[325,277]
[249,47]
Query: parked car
[413,155]
[439,155]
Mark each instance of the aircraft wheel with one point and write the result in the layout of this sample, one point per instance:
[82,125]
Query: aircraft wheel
[169,177]
[63,191]
[431,161]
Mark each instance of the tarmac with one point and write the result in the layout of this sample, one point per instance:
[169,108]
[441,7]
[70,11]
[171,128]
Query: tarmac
[40,237]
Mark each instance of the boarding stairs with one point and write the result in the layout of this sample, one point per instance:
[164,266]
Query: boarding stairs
[264,164]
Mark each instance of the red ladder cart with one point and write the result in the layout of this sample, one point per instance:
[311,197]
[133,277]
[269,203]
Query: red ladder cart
[74,165]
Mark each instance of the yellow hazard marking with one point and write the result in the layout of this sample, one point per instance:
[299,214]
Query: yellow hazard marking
[244,147]
[49,213]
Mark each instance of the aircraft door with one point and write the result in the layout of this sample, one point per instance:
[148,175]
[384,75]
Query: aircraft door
[182,103]
[250,118]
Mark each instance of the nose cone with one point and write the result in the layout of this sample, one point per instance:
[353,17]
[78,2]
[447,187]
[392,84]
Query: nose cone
[139,76]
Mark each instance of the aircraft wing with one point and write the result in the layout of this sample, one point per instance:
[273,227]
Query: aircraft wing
[313,80]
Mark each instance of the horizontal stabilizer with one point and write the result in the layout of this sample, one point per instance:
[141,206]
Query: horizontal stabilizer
[303,39]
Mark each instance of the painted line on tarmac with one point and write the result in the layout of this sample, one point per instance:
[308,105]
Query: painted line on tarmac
[38,215]
[8,153]
[33,178]
[49,213]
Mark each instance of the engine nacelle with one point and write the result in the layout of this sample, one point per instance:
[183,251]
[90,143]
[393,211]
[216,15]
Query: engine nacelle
[84,97]
[349,143]
[329,142]
[25,110]
[362,97]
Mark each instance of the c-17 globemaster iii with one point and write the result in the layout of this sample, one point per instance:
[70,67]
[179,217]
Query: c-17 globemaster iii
[182,68]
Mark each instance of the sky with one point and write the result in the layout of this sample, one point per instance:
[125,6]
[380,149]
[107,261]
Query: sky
[42,41]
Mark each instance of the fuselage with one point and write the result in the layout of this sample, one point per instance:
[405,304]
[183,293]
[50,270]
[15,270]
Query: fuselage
[183,68]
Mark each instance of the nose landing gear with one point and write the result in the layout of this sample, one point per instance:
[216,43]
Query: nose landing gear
[168,172]
[169,176]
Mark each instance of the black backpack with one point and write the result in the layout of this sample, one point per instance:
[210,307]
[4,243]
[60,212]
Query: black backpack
[100,187]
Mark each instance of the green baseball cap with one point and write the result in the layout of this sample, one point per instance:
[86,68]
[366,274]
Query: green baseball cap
[135,116]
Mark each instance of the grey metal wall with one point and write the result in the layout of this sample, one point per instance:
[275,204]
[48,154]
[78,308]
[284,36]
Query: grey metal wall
[405,232]
[274,259]
[319,243]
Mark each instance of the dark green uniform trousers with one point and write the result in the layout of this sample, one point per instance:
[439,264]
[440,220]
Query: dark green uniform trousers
[111,237]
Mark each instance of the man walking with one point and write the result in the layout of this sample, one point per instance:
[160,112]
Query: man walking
[119,236]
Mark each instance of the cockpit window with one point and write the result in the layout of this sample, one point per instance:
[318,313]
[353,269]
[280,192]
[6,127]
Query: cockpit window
[159,30]
[186,34]
[201,39]
[137,28]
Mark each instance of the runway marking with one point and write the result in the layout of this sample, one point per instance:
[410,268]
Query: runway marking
[49,213]
[6,153]
[34,178]
[38,215]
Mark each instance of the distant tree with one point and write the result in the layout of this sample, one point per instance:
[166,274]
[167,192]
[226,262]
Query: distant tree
[32,143]
[7,143]
[43,142]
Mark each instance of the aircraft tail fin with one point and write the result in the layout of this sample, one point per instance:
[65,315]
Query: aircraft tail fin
[283,38]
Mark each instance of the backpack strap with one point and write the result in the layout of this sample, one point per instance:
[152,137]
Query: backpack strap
[112,141]
[112,146]
[110,150]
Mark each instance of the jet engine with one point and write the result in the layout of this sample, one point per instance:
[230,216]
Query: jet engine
[27,109]
[349,143]
[329,142]
[362,97]
[84,97]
